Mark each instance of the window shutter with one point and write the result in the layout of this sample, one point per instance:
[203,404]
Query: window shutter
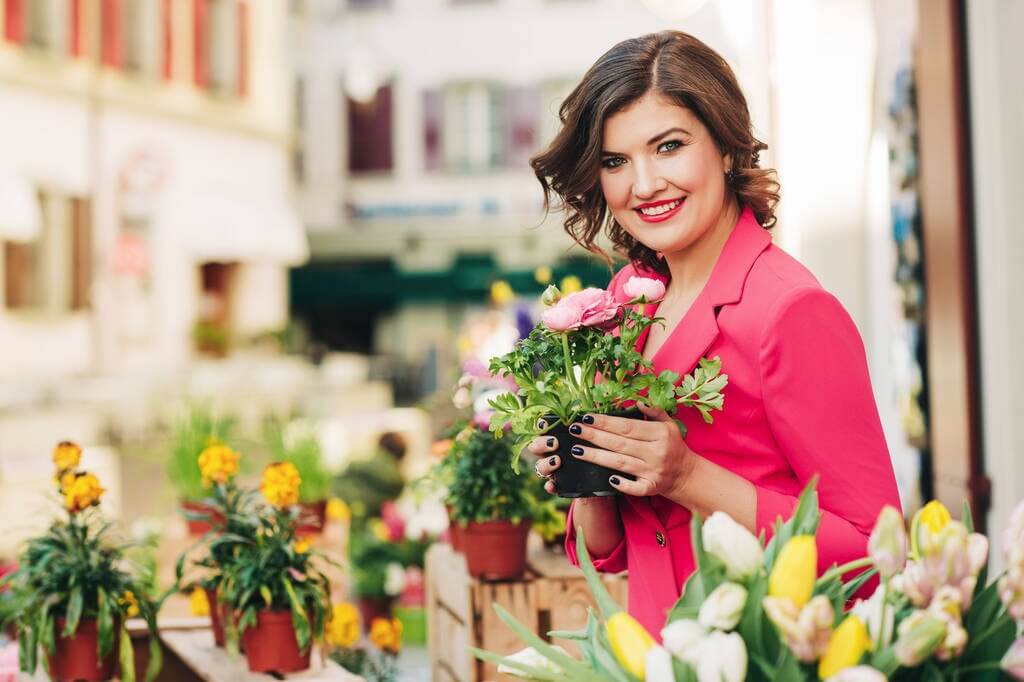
[242,80]
[167,39]
[369,133]
[110,26]
[200,42]
[14,21]
[81,253]
[522,106]
[433,114]
[75,18]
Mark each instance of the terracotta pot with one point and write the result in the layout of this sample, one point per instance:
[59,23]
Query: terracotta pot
[200,527]
[495,550]
[454,530]
[271,646]
[576,478]
[217,613]
[76,657]
[374,607]
[312,518]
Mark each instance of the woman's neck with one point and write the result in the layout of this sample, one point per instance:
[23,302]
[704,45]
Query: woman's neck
[691,267]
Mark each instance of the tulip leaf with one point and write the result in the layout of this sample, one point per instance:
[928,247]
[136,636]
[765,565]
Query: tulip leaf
[853,586]
[684,672]
[967,518]
[564,661]
[710,574]
[605,604]
[751,625]
[126,656]
[532,672]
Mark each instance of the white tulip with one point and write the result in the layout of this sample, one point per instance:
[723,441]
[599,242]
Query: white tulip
[658,666]
[533,658]
[682,638]
[722,658]
[870,611]
[723,607]
[734,545]
[858,673]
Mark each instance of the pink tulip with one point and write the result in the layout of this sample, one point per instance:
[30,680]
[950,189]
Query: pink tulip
[806,631]
[644,289]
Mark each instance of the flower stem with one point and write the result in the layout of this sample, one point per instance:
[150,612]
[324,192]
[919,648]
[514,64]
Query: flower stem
[881,619]
[569,373]
[863,562]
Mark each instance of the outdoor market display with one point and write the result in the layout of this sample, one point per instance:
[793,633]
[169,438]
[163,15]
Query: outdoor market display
[74,591]
[758,611]
[570,365]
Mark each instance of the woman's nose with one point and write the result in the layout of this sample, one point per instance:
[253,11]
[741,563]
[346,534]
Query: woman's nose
[647,182]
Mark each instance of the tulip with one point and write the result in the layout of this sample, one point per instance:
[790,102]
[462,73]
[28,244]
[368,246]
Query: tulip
[659,666]
[532,658]
[733,545]
[887,545]
[1013,537]
[722,658]
[644,289]
[946,606]
[919,635]
[950,557]
[805,631]
[1011,591]
[848,643]
[683,638]
[858,673]
[927,522]
[1013,660]
[722,608]
[551,295]
[795,570]
[871,611]
[630,643]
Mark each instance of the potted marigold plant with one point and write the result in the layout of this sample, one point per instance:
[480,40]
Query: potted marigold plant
[278,596]
[196,429]
[74,589]
[376,664]
[296,442]
[582,357]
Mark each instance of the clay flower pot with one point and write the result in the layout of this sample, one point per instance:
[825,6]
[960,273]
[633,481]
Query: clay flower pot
[76,658]
[574,477]
[218,612]
[312,518]
[271,646]
[199,527]
[454,530]
[495,550]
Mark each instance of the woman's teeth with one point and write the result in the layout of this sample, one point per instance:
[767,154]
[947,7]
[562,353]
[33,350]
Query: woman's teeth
[664,208]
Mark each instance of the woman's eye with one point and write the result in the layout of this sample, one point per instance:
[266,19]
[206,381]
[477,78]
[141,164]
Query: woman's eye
[669,145]
[613,162]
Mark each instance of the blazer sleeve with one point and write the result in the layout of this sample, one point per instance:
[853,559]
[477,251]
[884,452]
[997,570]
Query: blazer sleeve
[821,410]
[614,562]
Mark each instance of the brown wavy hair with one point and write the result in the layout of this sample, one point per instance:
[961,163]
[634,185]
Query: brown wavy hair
[681,68]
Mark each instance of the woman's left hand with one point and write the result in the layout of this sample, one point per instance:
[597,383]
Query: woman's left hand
[653,451]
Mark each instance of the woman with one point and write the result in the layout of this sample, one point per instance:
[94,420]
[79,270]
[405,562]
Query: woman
[657,148]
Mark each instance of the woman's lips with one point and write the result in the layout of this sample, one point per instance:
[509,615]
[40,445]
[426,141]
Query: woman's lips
[661,217]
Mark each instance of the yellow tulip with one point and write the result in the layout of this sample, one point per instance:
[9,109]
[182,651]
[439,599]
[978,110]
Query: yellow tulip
[630,643]
[927,522]
[848,643]
[795,570]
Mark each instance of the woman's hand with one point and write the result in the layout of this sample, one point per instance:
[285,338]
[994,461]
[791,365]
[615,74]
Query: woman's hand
[546,465]
[652,451]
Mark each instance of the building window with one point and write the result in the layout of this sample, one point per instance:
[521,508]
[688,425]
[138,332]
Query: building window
[221,39]
[54,272]
[521,122]
[369,133]
[552,94]
[468,127]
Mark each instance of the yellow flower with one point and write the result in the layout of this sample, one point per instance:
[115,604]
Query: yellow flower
[280,484]
[81,492]
[65,480]
[570,285]
[542,275]
[795,570]
[301,546]
[927,522]
[343,627]
[337,510]
[128,599]
[218,463]
[380,530]
[66,456]
[198,604]
[386,634]
[630,643]
[848,643]
[501,292]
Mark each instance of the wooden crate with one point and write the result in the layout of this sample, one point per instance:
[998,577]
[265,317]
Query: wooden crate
[552,595]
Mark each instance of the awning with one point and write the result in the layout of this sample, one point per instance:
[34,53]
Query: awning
[217,228]
[20,216]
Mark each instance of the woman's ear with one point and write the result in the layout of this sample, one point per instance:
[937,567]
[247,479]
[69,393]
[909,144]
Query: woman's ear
[726,163]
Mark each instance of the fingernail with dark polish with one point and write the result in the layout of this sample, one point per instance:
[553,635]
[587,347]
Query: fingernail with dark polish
[541,424]
[614,480]
[575,429]
[576,450]
[551,442]
[588,419]
[553,461]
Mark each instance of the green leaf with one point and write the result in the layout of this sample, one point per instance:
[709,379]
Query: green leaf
[126,656]
[804,521]
[605,604]
[531,672]
[74,613]
[268,598]
[966,517]
[567,663]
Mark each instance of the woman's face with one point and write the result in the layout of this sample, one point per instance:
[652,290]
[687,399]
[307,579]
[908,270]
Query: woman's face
[662,174]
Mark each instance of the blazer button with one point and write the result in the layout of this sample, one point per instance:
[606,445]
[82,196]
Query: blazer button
[660,537]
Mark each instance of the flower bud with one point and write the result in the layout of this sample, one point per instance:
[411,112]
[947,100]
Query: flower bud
[919,635]
[551,295]
[887,545]
[682,638]
[629,642]
[659,666]
[722,658]
[733,545]
[795,570]
[805,631]
[644,289]
[848,643]
[722,608]
[927,523]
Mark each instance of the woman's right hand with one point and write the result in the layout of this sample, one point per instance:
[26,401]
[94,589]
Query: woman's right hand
[548,463]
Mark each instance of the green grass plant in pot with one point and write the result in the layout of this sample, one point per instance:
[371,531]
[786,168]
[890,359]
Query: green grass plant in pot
[492,503]
[278,594]
[197,428]
[74,590]
[582,358]
[296,442]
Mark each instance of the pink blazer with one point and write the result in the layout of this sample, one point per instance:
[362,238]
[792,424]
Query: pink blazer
[798,403]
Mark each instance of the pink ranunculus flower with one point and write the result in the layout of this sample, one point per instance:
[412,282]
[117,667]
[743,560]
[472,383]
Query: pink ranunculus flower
[563,316]
[598,307]
[646,289]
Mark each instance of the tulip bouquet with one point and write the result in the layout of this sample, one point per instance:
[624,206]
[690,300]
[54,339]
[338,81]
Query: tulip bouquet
[756,611]
[582,357]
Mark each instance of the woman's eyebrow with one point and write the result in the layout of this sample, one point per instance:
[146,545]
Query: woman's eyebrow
[605,152]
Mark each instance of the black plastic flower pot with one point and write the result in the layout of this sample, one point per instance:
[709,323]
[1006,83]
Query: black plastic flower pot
[575,477]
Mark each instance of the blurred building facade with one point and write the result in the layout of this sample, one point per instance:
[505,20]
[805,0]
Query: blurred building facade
[144,207]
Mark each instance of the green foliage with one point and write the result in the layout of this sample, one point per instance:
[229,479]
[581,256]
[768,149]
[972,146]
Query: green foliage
[369,557]
[380,666]
[76,571]
[482,487]
[366,484]
[197,427]
[296,442]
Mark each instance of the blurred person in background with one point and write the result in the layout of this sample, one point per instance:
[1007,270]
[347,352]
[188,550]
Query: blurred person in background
[366,484]
[657,150]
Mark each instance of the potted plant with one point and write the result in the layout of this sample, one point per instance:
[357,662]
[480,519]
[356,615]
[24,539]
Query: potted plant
[376,663]
[582,357]
[379,559]
[73,591]
[492,504]
[193,432]
[297,442]
[277,595]
[218,465]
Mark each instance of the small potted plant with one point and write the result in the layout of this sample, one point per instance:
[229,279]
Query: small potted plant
[297,442]
[197,429]
[278,596]
[582,357]
[378,559]
[73,594]
[378,663]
